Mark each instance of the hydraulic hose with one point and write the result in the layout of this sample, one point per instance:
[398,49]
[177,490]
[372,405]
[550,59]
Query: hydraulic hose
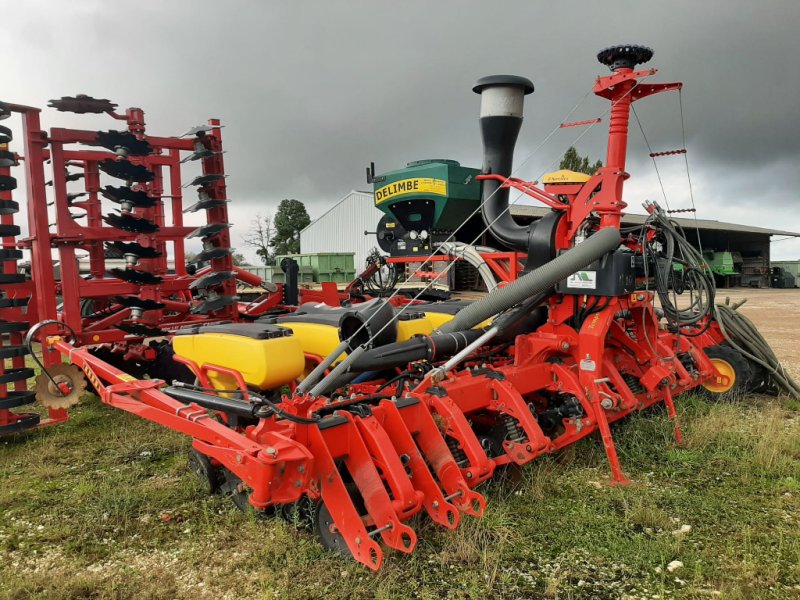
[536,282]
[471,254]
[741,333]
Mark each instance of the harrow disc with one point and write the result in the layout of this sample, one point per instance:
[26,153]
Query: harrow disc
[82,104]
[7,159]
[213,305]
[7,183]
[126,195]
[5,135]
[125,141]
[10,254]
[9,230]
[12,351]
[68,177]
[209,230]
[200,130]
[211,280]
[5,112]
[140,303]
[205,203]
[16,374]
[11,278]
[136,277]
[7,327]
[123,169]
[203,180]
[124,248]
[128,222]
[51,396]
[212,253]
[13,302]
[198,154]
[15,399]
[9,207]
[71,197]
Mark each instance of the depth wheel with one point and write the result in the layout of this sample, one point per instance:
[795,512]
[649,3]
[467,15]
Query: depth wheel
[735,369]
[201,466]
[330,538]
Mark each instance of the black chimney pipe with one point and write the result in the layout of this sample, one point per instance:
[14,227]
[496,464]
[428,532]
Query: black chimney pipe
[502,99]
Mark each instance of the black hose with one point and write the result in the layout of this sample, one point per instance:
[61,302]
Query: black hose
[262,400]
[742,334]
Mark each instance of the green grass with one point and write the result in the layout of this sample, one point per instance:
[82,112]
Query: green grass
[104,507]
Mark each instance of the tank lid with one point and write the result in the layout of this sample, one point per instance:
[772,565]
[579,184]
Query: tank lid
[504,81]
[432,161]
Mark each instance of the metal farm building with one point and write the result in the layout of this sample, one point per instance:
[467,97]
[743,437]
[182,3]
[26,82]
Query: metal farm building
[342,228]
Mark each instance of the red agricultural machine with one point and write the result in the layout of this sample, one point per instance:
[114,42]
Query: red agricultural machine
[355,416]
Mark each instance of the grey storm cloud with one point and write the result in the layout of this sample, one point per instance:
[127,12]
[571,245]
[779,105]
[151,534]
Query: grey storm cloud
[311,92]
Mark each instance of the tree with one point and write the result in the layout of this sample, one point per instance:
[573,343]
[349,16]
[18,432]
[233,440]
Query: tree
[260,237]
[573,161]
[238,259]
[290,218]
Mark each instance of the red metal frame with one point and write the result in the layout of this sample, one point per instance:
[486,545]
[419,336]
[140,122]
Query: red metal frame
[376,460]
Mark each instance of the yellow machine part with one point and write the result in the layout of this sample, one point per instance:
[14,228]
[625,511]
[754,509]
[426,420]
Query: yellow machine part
[408,329]
[316,338]
[319,339]
[263,363]
[565,176]
[437,319]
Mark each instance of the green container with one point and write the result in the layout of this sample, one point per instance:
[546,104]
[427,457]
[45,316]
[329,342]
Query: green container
[429,194]
[325,265]
[337,276]
[304,275]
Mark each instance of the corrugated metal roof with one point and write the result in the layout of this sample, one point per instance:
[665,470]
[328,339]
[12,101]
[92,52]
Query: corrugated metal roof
[535,212]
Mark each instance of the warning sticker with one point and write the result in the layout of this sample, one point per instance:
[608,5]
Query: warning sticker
[582,280]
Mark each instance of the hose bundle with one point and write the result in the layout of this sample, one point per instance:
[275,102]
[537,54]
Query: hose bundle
[691,275]
[740,333]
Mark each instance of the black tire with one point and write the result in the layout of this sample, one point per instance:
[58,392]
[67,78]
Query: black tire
[201,466]
[738,365]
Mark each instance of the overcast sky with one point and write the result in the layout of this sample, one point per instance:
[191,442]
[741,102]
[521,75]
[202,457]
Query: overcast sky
[310,92]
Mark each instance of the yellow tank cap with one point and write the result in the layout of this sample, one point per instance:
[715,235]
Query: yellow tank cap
[565,176]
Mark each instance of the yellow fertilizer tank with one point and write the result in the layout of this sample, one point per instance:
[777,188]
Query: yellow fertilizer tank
[267,356]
